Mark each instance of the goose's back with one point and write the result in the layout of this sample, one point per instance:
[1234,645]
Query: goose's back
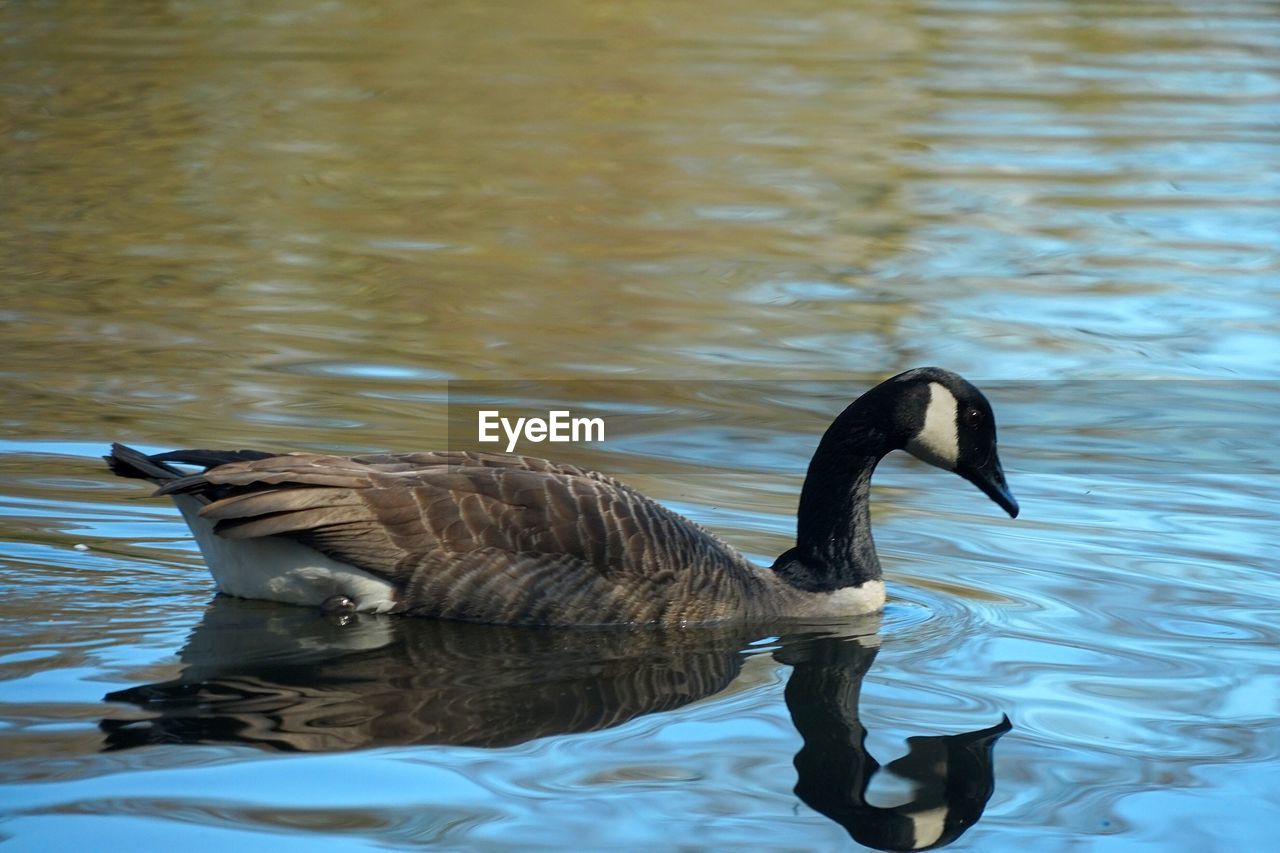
[488,537]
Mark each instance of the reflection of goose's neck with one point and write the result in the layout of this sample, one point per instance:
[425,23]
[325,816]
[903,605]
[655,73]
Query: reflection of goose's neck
[952,775]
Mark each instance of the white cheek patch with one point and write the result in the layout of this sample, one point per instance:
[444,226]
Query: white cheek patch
[937,442]
[929,825]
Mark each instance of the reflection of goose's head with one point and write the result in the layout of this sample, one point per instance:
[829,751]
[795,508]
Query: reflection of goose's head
[489,537]
[951,776]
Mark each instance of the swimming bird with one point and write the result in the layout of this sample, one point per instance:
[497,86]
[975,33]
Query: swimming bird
[508,539]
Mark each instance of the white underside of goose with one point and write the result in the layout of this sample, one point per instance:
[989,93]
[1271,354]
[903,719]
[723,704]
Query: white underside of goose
[277,569]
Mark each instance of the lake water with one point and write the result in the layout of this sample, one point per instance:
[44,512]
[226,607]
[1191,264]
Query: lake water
[317,226]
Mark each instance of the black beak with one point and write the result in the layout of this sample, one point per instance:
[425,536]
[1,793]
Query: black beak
[990,478]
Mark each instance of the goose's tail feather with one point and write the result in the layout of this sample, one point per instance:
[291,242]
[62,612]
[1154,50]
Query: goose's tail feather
[127,462]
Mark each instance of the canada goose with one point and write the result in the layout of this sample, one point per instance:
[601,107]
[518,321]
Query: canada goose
[489,537]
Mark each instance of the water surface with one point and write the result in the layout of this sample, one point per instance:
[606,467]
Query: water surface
[291,226]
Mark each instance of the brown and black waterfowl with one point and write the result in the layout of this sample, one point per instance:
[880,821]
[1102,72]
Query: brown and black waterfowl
[497,538]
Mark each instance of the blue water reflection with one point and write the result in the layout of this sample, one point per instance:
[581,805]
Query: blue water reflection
[293,680]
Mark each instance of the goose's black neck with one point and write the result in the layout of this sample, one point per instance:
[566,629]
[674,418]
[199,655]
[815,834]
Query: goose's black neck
[833,547]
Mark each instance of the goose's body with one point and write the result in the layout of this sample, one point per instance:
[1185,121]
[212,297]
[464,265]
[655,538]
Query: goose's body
[498,538]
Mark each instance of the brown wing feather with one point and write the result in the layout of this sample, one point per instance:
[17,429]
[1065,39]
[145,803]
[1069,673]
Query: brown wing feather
[488,537]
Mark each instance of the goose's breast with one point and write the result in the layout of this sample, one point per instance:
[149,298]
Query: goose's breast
[847,601]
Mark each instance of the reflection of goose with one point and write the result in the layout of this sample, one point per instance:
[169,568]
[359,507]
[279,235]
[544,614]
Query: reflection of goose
[290,679]
[952,774]
[517,540]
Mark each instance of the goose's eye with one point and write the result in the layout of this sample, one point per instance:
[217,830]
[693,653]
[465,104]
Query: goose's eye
[973,418]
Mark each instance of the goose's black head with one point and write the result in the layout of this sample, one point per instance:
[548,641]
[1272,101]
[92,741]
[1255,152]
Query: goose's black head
[940,418]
